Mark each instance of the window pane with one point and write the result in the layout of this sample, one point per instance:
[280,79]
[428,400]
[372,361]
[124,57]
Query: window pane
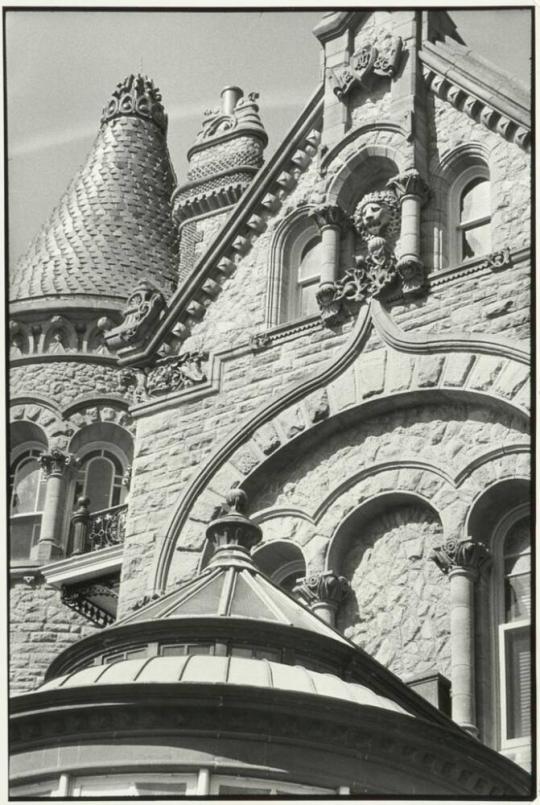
[99,481]
[27,484]
[308,300]
[517,567]
[310,262]
[173,651]
[518,683]
[23,534]
[517,597]
[475,201]
[476,241]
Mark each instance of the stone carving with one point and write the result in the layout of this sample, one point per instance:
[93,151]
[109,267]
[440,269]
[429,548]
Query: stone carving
[467,554]
[326,215]
[16,340]
[176,373]
[132,382]
[259,341]
[496,261]
[56,461]
[327,588]
[136,96]
[142,311]
[244,114]
[377,221]
[364,64]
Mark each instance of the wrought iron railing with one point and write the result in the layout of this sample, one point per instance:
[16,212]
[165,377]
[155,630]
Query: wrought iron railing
[93,532]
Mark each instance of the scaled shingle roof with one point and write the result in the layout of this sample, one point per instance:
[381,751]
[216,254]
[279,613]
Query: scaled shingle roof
[113,226]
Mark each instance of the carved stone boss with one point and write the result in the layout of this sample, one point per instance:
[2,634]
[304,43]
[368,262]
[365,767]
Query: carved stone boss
[462,561]
[323,593]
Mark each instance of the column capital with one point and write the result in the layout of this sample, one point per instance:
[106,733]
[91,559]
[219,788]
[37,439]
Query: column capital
[329,215]
[466,554]
[409,183]
[323,588]
[55,462]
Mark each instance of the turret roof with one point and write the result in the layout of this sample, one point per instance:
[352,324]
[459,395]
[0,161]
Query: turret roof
[113,226]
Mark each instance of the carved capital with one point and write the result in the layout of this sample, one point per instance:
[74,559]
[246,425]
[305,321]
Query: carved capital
[409,183]
[466,554]
[55,462]
[323,588]
[329,215]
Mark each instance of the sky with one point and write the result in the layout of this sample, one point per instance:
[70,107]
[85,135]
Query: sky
[61,67]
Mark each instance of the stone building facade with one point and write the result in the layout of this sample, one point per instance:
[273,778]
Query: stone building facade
[340,332]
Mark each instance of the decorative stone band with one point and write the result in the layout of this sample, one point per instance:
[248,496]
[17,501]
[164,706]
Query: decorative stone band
[55,462]
[466,554]
[327,588]
[445,83]
[136,96]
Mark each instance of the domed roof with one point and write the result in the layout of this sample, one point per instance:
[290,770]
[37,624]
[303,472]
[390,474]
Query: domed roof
[209,670]
[113,226]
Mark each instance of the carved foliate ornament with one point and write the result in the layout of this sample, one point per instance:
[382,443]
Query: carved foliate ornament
[377,221]
[366,63]
[176,373]
[328,215]
[136,96]
[323,588]
[409,183]
[55,462]
[143,309]
[467,554]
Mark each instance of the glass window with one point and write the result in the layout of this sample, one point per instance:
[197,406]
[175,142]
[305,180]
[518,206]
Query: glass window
[514,634]
[309,271]
[28,486]
[474,218]
[100,479]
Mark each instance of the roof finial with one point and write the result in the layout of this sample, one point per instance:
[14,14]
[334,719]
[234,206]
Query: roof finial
[136,96]
[234,531]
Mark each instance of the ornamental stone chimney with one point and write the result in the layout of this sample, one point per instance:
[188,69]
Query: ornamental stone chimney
[227,153]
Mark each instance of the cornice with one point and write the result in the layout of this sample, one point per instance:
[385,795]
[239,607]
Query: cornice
[77,357]
[269,186]
[86,566]
[451,83]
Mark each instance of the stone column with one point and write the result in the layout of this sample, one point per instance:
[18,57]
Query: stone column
[461,561]
[412,192]
[54,465]
[330,219]
[323,593]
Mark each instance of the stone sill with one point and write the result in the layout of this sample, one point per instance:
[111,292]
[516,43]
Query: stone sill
[83,567]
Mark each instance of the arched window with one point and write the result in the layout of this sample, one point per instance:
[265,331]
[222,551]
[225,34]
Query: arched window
[303,302]
[513,608]
[470,215]
[101,479]
[474,218]
[27,498]
[282,561]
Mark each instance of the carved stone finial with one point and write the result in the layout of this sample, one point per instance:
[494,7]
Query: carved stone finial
[323,588]
[55,462]
[467,554]
[136,96]
[234,529]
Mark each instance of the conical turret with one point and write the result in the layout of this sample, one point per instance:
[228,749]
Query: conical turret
[113,226]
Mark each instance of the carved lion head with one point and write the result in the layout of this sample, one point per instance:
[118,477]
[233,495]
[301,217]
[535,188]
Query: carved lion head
[377,213]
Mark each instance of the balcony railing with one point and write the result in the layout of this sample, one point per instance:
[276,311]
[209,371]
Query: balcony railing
[93,532]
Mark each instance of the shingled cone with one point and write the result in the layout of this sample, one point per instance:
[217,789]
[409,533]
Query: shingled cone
[113,225]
